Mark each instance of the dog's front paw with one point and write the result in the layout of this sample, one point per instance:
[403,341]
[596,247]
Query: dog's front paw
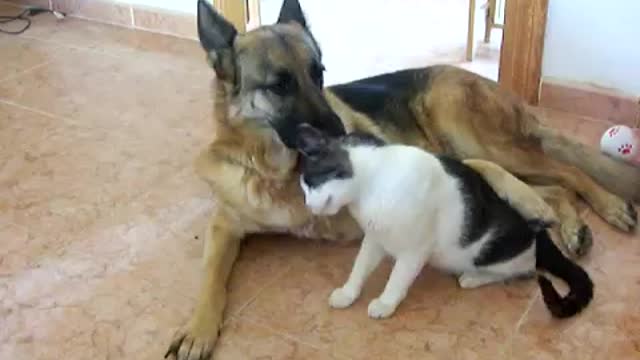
[380,310]
[341,298]
[577,238]
[194,342]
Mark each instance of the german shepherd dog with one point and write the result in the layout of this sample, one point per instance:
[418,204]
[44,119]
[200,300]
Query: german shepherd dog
[270,80]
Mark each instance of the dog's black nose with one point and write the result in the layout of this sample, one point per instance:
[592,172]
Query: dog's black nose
[332,125]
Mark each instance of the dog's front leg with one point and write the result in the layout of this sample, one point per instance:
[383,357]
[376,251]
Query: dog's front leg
[514,191]
[222,243]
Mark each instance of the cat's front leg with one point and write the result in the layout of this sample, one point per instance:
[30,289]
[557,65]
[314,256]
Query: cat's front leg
[369,257]
[404,272]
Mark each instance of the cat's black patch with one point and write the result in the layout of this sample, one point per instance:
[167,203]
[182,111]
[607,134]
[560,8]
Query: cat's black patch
[486,211]
[326,158]
[331,164]
[317,176]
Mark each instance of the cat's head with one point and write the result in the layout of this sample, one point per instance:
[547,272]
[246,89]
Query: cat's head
[328,179]
[327,172]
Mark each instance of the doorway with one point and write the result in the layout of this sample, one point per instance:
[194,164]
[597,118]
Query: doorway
[498,39]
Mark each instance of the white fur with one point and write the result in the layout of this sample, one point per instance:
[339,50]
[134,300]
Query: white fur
[411,209]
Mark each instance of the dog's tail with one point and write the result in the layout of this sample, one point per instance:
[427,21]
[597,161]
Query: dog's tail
[549,258]
[617,177]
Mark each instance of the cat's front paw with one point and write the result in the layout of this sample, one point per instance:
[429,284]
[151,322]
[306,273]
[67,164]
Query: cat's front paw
[341,298]
[380,310]
[470,281]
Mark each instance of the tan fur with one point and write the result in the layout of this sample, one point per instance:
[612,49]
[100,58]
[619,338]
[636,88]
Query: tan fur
[520,195]
[254,178]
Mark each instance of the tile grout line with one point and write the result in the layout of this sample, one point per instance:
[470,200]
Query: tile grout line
[507,345]
[24,72]
[119,55]
[28,108]
[238,312]
[527,310]
[285,336]
[289,336]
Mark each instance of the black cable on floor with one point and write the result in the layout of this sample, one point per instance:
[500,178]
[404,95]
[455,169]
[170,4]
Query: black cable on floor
[25,17]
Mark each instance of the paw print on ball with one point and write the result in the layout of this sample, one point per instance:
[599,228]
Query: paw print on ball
[625,149]
[613,131]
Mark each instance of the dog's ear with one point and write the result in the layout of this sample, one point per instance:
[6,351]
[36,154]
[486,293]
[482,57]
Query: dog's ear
[216,37]
[291,11]
[310,142]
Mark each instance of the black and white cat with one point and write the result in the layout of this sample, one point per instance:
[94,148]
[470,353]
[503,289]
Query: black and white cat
[425,209]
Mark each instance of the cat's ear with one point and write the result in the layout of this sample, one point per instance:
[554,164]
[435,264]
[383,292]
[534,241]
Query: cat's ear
[310,141]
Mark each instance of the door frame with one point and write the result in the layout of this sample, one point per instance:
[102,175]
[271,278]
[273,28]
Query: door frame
[243,14]
[520,70]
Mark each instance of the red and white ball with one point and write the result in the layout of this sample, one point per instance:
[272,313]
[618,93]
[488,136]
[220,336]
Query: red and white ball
[621,142]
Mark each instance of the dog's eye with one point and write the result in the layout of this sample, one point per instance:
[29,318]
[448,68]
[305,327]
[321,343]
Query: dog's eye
[283,85]
[316,72]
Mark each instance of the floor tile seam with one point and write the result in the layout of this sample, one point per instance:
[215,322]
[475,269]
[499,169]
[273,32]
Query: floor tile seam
[119,55]
[290,337]
[244,315]
[240,312]
[24,72]
[71,120]
[89,225]
[28,108]
[523,317]
[160,178]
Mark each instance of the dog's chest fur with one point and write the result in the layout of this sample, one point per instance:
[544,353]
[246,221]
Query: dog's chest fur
[264,204]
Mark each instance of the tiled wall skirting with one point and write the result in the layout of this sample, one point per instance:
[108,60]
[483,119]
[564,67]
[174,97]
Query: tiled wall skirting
[598,103]
[117,13]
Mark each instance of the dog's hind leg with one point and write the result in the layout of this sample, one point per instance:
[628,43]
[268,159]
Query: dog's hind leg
[575,234]
[536,167]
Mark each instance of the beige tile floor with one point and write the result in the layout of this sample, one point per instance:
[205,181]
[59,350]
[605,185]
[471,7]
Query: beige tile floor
[101,221]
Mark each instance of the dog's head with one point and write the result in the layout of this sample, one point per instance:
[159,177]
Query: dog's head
[275,72]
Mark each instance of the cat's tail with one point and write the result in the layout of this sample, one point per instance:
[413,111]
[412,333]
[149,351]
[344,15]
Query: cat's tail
[549,258]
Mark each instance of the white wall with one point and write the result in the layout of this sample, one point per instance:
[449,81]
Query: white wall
[594,41]
[186,6]
[366,37]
